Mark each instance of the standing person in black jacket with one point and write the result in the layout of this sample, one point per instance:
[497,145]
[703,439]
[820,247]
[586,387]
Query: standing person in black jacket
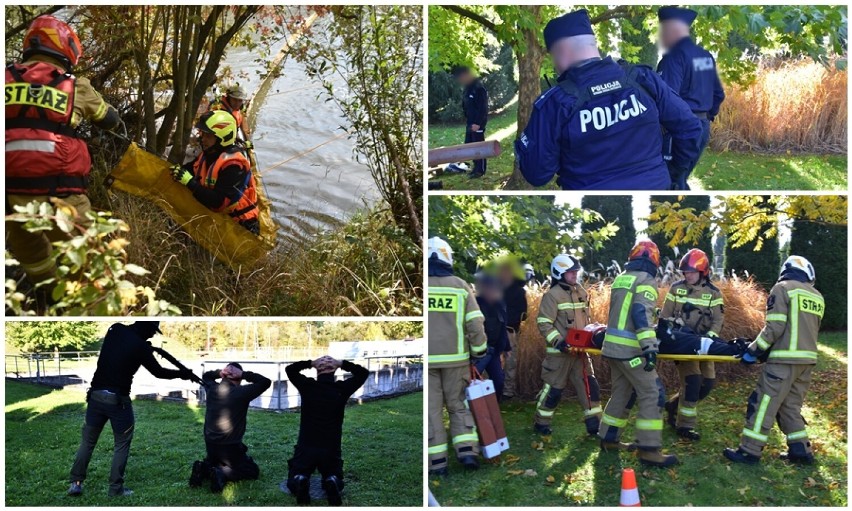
[321,427]
[515,297]
[225,426]
[125,349]
[475,106]
[489,297]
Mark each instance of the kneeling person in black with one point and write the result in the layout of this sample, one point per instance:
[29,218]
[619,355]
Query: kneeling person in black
[124,350]
[321,427]
[225,427]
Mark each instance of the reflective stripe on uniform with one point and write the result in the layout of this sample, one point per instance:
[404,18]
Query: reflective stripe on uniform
[717,302]
[438,449]
[762,344]
[454,357]
[459,297]
[544,320]
[793,354]
[545,413]
[813,304]
[711,333]
[542,395]
[552,350]
[624,341]
[571,306]
[593,411]
[797,435]
[470,316]
[40,146]
[647,334]
[644,288]
[649,424]
[614,421]
[687,412]
[465,437]
[482,348]
[776,317]
[758,421]
[552,335]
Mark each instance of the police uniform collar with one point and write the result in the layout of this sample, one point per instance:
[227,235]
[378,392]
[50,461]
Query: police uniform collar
[684,41]
[580,64]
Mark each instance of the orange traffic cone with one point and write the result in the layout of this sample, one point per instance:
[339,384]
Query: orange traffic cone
[629,490]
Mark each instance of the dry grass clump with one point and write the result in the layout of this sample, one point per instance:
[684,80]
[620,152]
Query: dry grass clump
[745,305]
[797,106]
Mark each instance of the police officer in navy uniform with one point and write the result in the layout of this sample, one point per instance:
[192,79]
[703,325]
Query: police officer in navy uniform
[690,71]
[599,128]
[475,106]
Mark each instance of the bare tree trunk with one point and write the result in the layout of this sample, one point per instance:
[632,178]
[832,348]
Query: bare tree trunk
[529,87]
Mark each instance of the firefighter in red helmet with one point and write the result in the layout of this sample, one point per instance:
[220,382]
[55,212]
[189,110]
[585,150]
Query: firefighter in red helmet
[696,306]
[45,157]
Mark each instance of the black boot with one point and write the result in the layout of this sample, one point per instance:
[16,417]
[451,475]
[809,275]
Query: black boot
[593,424]
[200,471]
[439,472]
[671,412]
[469,462]
[689,434]
[798,453]
[542,429]
[740,456]
[331,485]
[217,480]
[299,486]
[76,489]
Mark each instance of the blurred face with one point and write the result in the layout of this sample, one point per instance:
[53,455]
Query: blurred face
[691,277]
[560,52]
[491,293]
[464,78]
[506,275]
[236,104]
[208,140]
[672,31]
[570,277]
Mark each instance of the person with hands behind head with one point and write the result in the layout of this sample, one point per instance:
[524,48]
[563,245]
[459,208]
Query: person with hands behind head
[220,177]
[323,405]
[124,350]
[630,347]
[225,426]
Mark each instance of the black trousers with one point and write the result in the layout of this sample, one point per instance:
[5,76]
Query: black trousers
[120,417]
[233,460]
[307,459]
[479,166]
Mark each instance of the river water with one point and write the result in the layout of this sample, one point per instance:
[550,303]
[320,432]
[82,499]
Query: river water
[320,189]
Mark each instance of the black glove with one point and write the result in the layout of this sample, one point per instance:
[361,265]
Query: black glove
[562,346]
[650,361]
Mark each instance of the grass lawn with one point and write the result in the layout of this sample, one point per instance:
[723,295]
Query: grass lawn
[715,171]
[569,469]
[383,466]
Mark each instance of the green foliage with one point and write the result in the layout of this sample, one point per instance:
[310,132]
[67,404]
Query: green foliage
[383,102]
[818,31]
[41,336]
[531,228]
[825,247]
[616,210]
[93,275]
[697,203]
[763,263]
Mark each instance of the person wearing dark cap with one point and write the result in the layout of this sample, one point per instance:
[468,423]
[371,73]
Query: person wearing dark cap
[124,350]
[690,71]
[599,128]
[225,426]
[323,404]
[475,106]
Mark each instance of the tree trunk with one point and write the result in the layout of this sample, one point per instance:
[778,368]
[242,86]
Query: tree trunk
[529,86]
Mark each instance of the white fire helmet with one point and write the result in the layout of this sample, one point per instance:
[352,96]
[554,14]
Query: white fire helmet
[440,248]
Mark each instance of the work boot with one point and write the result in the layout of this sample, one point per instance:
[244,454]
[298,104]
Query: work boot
[689,434]
[475,175]
[469,462]
[655,458]
[740,456]
[123,492]
[331,485]
[299,486]
[614,446]
[200,471]
[217,480]
[76,489]
[439,472]
[542,429]
[798,453]
[671,413]
[593,424]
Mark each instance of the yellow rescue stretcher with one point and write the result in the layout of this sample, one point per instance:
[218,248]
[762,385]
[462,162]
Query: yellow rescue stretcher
[672,356]
[146,175]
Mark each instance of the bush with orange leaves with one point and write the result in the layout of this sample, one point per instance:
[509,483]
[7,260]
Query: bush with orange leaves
[745,305]
[795,106]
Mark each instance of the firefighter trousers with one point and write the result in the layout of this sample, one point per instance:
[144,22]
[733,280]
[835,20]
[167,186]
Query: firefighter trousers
[779,395]
[696,381]
[34,249]
[557,371]
[510,366]
[632,385]
[447,389]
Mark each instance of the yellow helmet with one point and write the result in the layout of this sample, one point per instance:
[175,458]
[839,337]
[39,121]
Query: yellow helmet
[219,123]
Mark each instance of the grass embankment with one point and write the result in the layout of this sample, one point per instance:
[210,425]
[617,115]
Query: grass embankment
[569,469]
[383,466]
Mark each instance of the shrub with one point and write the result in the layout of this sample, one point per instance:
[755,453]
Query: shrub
[794,105]
[825,247]
[697,202]
[619,210]
[763,264]
[744,317]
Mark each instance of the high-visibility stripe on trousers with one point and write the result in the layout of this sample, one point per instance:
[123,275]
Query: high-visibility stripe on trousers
[446,391]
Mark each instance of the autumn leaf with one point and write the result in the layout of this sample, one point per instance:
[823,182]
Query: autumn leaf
[515,472]
[810,482]
[530,473]
[742,491]
[550,480]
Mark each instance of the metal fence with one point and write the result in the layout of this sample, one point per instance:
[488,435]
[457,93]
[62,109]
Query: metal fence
[49,366]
